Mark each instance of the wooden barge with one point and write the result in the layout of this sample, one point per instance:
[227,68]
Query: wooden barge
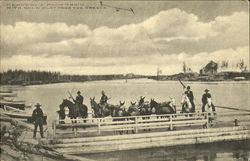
[95,135]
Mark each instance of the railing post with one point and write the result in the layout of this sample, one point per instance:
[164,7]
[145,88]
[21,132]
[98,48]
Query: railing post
[54,128]
[136,124]
[99,126]
[75,131]
[207,115]
[171,122]
[236,123]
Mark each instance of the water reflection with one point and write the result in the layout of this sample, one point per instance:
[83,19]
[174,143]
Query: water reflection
[222,151]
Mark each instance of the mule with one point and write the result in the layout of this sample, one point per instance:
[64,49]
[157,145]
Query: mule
[99,110]
[162,108]
[144,107]
[133,109]
[119,112]
[95,108]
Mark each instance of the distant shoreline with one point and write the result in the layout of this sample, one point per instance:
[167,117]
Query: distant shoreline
[38,78]
[161,80]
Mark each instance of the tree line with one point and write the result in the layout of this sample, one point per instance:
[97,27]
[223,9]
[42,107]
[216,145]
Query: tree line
[22,77]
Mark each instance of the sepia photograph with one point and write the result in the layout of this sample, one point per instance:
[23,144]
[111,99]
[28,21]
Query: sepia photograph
[145,80]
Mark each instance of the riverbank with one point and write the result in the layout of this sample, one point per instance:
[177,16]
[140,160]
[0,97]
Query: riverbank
[191,76]
[17,144]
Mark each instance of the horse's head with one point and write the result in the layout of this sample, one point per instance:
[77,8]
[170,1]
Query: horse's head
[209,102]
[66,103]
[122,103]
[172,102]
[153,103]
[185,99]
[141,101]
[132,103]
[119,110]
[93,102]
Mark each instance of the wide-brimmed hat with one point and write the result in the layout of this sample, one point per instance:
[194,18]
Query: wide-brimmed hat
[38,105]
[206,90]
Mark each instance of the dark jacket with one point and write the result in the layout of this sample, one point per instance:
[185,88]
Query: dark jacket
[37,115]
[104,99]
[79,99]
[204,97]
[190,95]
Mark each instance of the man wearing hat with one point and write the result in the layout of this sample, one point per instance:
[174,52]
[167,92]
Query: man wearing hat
[78,101]
[204,98]
[103,101]
[104,98]
[190,96]
[79,98]
[37,117]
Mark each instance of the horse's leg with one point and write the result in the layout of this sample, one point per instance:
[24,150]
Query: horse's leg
[72,123]
[75,123]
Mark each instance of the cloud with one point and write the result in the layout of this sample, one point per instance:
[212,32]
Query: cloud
[176,23]
[170,64]
[171,31]
[165,39]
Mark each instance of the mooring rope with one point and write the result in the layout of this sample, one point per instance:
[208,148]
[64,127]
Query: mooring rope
[232,108]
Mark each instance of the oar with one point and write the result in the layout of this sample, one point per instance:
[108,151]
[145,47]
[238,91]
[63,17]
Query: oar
[182,83]
[231,108]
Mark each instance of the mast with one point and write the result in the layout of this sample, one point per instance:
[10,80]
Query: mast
[158,72]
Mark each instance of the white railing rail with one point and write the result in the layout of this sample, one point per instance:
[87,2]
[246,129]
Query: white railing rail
[137,123]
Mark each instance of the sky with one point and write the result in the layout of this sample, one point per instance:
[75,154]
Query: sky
[161,34]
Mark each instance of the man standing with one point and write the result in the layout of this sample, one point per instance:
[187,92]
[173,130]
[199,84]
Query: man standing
[190,96]
[37,117]
[204,98]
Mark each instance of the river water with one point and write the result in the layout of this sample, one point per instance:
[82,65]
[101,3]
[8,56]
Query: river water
[230,93]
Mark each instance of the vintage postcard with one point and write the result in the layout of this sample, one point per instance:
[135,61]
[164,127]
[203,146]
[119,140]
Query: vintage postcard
[125,80]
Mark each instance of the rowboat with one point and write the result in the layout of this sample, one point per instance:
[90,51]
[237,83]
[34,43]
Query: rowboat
[19,114]
[7,94]
[15,104]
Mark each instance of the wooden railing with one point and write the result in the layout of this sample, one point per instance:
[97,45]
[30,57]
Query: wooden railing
[136,123]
